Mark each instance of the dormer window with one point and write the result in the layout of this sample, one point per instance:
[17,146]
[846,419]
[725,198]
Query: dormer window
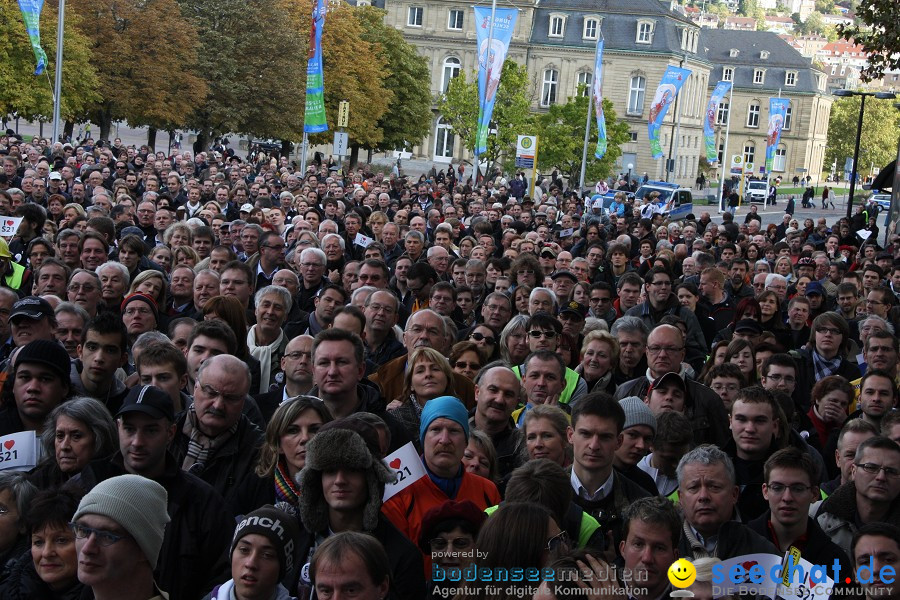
[645,32]
[591,28]
[728,74]
[557,26]
[790,78]
[764,55]
[759,76]
[733,52]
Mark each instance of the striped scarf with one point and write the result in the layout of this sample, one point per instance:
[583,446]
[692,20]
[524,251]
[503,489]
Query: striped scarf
[286,489]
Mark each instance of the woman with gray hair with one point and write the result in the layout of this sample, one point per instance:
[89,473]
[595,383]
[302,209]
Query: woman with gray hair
[514,341]
[76,432]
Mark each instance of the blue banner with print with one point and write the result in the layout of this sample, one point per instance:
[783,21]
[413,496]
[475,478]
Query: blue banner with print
[597,91]
[490,63]
[314,120]
[668,89]
[709,134]
[31,14]
[777,113]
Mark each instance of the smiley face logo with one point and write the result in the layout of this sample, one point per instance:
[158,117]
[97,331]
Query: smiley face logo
[682,573]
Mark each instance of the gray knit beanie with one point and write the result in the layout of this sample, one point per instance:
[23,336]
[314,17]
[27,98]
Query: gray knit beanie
[137,504]
[637,413]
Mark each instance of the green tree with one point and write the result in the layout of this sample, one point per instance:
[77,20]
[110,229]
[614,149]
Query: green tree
[813,24]
[878,143]
[31,96]
[878,30]
[561,143]
[459,107]
[408,78]
[158,89]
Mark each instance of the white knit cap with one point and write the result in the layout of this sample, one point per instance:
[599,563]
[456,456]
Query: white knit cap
[137,504]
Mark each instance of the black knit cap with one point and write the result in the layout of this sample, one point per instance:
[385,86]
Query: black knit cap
[46,353]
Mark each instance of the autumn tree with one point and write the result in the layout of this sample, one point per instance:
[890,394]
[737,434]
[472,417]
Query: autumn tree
[31,96]
[561,143]
[408,118]
[878,30]
[878,143]
[459,107]
[145,54]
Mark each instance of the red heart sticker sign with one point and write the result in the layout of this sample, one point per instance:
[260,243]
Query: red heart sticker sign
[10,223]
[9,444]
[395,464]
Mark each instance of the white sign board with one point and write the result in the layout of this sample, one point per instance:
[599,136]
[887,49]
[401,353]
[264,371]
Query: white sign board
[19,451]
[525,146]
[341,143]
[763,565]
[9,226]
[405,462]
[362,240]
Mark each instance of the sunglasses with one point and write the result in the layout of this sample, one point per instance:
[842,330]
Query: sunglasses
[539,334]
[461,364]
[480,336]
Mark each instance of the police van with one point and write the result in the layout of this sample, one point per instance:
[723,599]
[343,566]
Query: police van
[675,202]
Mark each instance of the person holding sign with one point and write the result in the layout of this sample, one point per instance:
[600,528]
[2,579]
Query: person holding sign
[342,485]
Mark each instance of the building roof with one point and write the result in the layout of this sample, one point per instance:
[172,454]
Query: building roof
[717,44]
[618,26]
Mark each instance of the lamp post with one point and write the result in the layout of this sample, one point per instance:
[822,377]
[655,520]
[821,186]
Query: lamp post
[862,108]
[630,168]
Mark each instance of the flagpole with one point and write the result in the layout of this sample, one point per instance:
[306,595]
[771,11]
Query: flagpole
[57,94]
[725,160]
[587,135]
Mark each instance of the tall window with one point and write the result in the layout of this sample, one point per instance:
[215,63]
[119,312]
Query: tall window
[414,17]
[790,78]
[780,158]
[636,95]
[590,29]
[727,74]
[452,67]
[722,114]
[557,26]
[443,140]
[749,152]
[585,79]
[753,114]
[722,152]
[645,32]
[759,76]
[550,87]
[455,21]
[788,116]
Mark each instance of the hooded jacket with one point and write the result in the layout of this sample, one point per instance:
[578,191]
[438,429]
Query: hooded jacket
[837,515]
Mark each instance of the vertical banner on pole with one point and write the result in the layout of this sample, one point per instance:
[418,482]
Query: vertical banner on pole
[597,91]
[314,120]
[31,14]
[777,113]
[668,89]
[490,63]
[709,134]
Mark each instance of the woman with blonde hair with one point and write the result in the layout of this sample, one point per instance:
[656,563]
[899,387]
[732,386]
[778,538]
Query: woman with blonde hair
[544,428]
[152,283]
[185,256]
[599,357]
[177,234]
[480,456]
[428,376]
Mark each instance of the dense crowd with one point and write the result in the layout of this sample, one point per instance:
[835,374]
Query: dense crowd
[223,361]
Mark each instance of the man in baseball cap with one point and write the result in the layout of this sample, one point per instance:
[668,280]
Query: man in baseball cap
[32,318]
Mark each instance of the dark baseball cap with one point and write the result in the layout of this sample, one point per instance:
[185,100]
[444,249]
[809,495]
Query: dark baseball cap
[815,287]
[564,273]
[31,307]
[574,308]
[151,401]
[749,326]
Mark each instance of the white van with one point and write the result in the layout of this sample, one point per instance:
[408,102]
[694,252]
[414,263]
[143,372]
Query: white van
[757,190]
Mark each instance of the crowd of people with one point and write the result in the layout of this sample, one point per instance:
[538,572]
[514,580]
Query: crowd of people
[220,360]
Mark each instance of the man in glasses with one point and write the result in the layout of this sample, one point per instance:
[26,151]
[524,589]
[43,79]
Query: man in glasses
[214,439]
[601,302]
[119,528]
[192,555]
[791,485]
[870,496]
[661,301]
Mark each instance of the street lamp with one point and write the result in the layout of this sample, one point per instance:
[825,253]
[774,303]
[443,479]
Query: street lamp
[862,107]
[630,168]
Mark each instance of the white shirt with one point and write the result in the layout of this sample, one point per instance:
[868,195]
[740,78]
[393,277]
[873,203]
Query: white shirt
[664,484]
[583,492]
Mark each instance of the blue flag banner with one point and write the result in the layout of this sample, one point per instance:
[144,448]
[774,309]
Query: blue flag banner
[314,120]
[777,112]
[597,91]
[31,14]
[668,89]
[709,134]
[490,63]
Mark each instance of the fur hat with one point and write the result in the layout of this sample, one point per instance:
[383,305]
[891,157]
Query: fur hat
[339,449]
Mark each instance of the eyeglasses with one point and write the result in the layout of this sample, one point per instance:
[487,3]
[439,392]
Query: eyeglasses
[873,469]
[785,378]
[526,272]
[666,349]
[558,541]
[279,248]
[545,334]
[872,302]
[661,283]
[831,330]
[796,488]
[458,543]
[298,355]
[723,387]
[130,312]
[213,393]
[461,364]
[489,339]
[104,538]
[78,287]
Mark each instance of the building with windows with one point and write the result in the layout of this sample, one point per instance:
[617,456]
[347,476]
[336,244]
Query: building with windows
[761,65]
[556,40]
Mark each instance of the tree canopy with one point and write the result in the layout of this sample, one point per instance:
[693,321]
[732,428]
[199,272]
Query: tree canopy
[878,143]
[878,30]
